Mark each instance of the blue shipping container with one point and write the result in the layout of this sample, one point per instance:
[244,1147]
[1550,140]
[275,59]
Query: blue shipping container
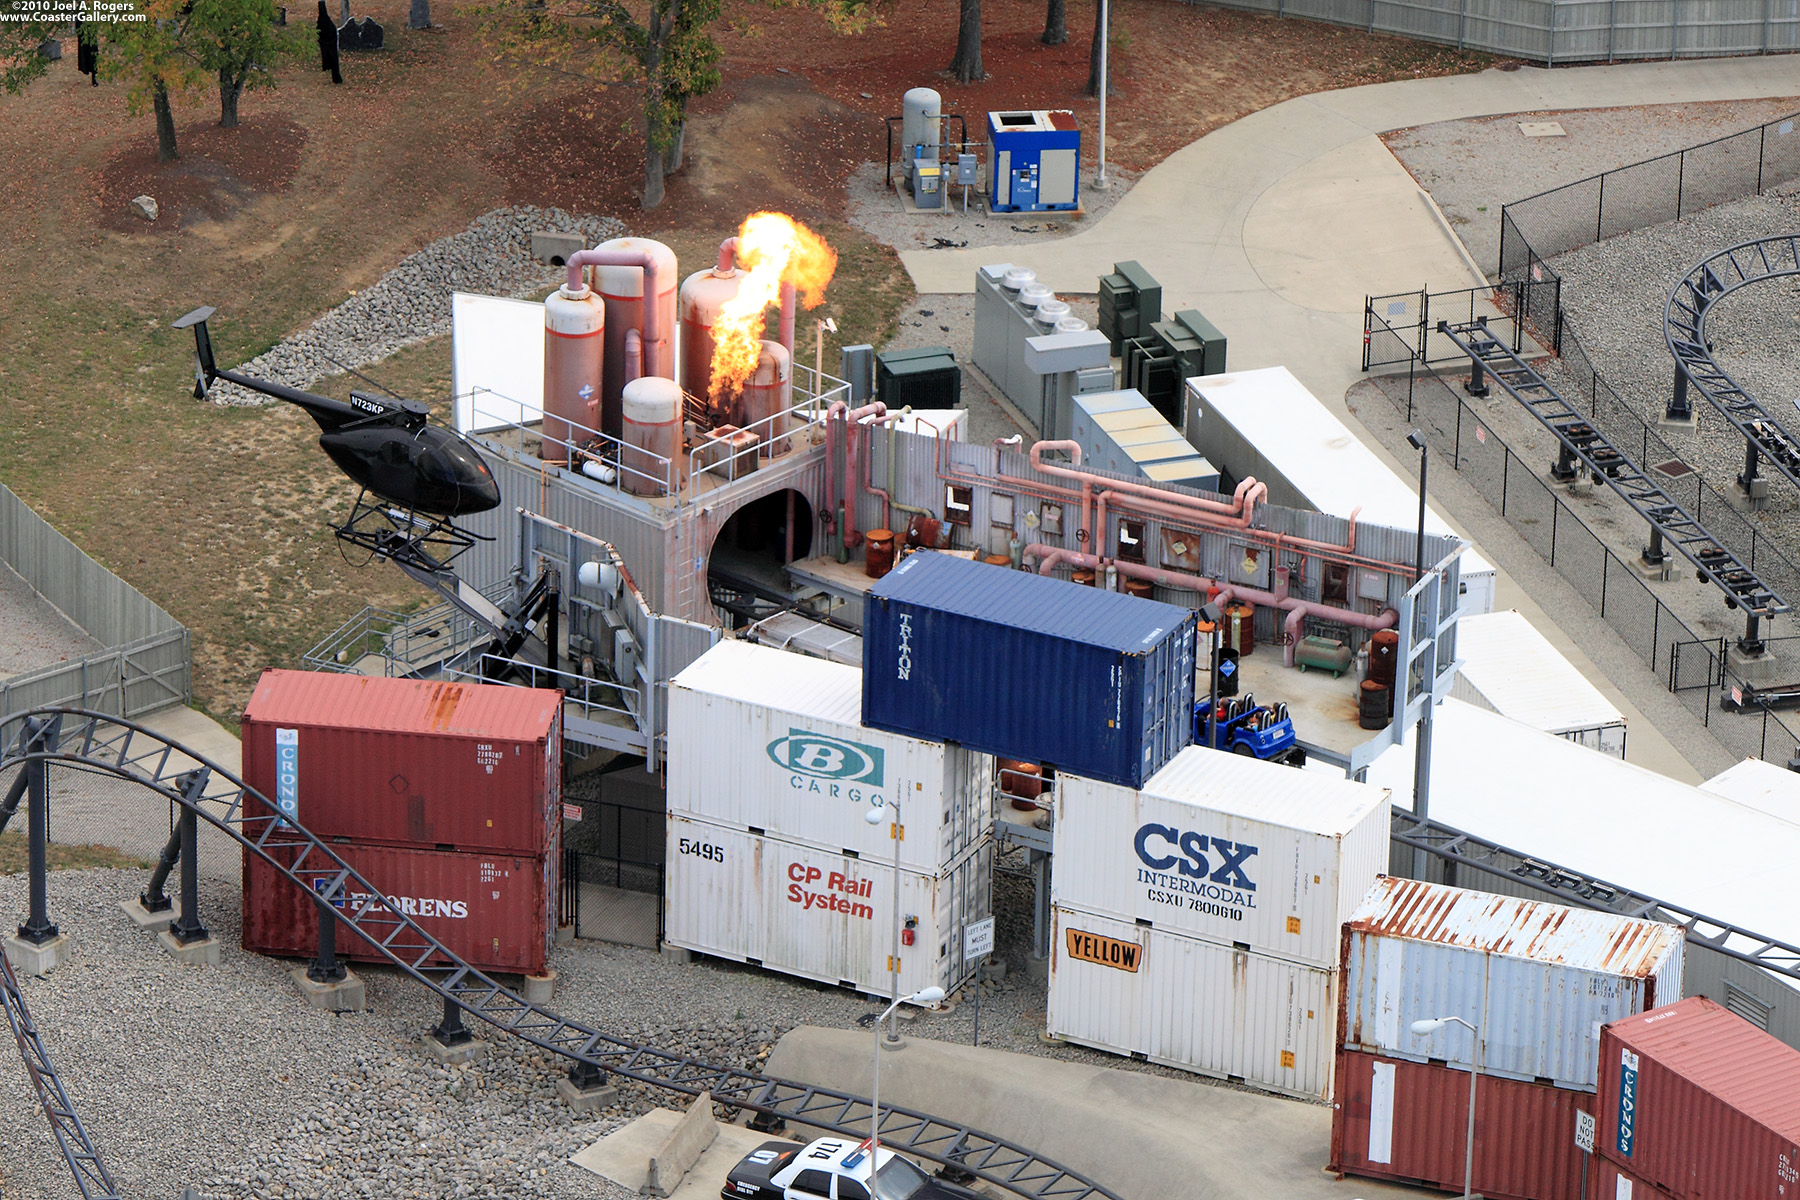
[1024,666]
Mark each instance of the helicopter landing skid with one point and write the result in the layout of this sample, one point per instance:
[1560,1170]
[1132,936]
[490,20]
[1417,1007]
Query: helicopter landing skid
[408,538]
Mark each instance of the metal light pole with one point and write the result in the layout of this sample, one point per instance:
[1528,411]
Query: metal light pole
[1105,49]
[930,995]
[1422,746]
[1210,610]
[1426,1029]
[874,817]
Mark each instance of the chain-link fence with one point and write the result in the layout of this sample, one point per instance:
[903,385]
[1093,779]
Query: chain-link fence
[1695,669]
[1644,193]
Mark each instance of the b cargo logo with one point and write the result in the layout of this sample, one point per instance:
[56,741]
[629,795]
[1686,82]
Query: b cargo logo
[1628,1085]
[822,757]
[287,771]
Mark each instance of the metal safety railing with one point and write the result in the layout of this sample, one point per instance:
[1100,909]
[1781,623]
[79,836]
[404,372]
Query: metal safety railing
[207,792]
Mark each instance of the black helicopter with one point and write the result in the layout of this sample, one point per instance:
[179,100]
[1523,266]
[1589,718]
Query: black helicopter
[422,475]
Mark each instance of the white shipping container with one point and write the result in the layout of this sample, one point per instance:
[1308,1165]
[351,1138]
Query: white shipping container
[826,916]
[1267,424]
[765,739]
[1760,785]
[1226,847]
[1214,1009]
[1507,666]
[1538,980]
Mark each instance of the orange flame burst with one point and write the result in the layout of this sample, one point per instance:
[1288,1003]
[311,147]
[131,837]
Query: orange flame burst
[777,249]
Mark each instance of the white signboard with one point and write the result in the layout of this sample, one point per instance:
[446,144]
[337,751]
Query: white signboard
[1584,1132]
[496,361]
[978,939]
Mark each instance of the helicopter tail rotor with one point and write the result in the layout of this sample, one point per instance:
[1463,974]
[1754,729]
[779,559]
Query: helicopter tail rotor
[205,369]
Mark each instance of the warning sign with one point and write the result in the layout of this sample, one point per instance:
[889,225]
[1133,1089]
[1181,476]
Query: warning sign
[1108,952]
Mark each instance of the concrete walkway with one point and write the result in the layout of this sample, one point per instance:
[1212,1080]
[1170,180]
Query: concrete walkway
[1276,226]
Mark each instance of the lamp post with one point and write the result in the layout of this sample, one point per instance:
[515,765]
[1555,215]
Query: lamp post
[930,995]
[825,326]
[1210,610]
[1426,1029]
[1421,747]
[874,817]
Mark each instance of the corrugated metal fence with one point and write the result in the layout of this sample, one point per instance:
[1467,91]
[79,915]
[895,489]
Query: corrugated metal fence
[1566,31]
[146,664]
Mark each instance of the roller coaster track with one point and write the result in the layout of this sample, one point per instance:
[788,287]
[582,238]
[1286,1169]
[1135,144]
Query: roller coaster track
[1578,437]
[108,745]
[1684,327]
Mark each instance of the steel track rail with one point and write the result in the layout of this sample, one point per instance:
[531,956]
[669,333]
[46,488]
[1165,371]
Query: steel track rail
[1684,328]
[1573,887]
[92,1178]
[109,745]
[1712,562]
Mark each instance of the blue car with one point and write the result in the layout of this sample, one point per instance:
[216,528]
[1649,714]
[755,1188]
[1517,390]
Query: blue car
[1262,731]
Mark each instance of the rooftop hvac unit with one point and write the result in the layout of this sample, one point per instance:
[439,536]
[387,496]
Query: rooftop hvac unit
[1130,302]
[926,378]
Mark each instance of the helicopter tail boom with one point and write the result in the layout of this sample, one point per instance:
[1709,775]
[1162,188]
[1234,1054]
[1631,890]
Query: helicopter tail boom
[329,413]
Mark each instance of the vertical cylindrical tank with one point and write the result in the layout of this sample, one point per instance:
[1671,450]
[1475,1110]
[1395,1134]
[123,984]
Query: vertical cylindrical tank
[622,288]
[574,342]
[768,395]
[921,112]
[703,295]
[650,426]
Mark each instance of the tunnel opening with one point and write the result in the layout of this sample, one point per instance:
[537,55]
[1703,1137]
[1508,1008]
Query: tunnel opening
[746,569]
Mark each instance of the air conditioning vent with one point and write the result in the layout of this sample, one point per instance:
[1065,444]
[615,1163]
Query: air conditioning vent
[1747,1006]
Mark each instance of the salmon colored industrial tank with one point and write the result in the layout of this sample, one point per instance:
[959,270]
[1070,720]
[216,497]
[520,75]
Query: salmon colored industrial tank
[703,295]
[768,396]
[496,912]
[574,337]
[651,430]
[408,762]
[622,288]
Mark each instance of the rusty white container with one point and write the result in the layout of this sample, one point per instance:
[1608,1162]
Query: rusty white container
[774,740]
[622,290]
[574,339]
[1214,1009]
[1538,980]
[1225,847]
[703,295]
[768,396]
[820,914]
[651,431]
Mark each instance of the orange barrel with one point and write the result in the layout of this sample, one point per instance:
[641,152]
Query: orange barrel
[922,531]
[1137,587]
[878,552]
[1023,781]
[1384,651]
[1083,575]
[1240,634]
[996,560]
[1372,711]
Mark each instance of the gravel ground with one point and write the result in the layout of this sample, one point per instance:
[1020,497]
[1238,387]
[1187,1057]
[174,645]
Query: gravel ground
[1614,293]
[33,634]
[1473,167]
[411,303]
[876,209]
[223,1080]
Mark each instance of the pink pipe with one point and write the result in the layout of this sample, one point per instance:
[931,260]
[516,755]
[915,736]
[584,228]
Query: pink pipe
[1238,512]
[786,326]
[727,256]
[634,360]
[852,417]
[1280,539]
[655,342]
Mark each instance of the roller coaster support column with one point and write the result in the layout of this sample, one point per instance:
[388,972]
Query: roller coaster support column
[39,947]
[325,981]
[187,939]
[585,1089]
[1679,411]
[449,1041]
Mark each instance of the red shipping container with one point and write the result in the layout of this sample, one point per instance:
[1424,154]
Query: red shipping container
[1393,1119]
[1610,1183]
[1701,1103]
[495,912]
[409,762]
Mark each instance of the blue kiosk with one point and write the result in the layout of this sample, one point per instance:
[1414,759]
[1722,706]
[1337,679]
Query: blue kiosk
[1034,159]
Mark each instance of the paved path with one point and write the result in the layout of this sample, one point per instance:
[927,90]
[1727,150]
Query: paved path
[1277,225]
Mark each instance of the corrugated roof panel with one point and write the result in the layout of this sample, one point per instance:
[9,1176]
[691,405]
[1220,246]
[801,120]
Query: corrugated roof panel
[1025,600]
[302,698]
[1760,785]
[1514,928]
[797,683]
[1247,787]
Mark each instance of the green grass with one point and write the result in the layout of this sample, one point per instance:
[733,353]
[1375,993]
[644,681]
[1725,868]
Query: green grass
[15,856]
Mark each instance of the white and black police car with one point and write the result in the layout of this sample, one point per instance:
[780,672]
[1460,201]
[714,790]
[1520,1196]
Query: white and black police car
[833,1169]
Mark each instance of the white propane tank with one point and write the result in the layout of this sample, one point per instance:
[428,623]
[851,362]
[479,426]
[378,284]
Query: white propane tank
[703,295]
[921,112]
[650,412]
[574,341]
[769,393]
[622,288]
